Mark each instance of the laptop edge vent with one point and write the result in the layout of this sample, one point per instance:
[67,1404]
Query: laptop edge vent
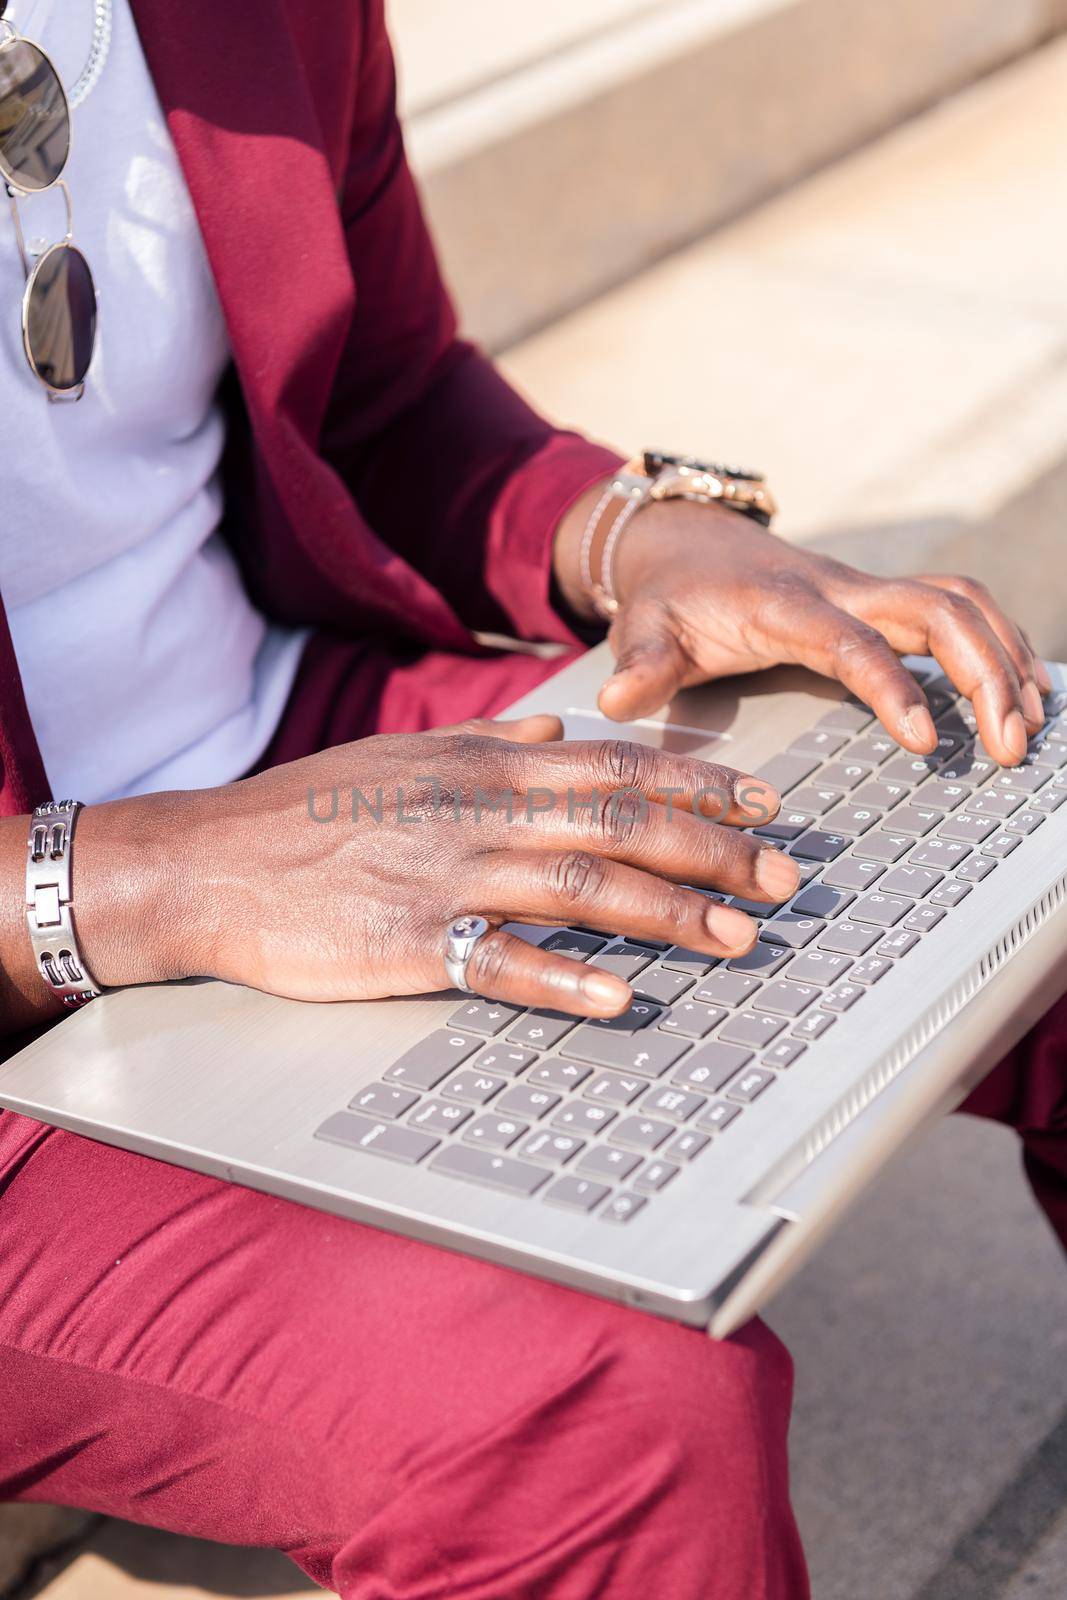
[926,1029]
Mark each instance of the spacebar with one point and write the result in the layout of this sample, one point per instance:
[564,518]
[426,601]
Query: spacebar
[497,1172]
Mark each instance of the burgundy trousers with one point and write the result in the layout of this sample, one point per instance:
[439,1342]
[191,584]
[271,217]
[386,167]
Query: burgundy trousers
[405,1423]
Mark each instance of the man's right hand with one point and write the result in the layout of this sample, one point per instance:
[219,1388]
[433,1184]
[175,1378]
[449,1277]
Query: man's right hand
[274,882]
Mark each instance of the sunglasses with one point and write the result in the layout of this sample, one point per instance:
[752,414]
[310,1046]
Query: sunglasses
[59,302]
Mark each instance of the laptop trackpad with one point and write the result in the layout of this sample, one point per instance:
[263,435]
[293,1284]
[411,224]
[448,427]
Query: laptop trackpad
[673,737]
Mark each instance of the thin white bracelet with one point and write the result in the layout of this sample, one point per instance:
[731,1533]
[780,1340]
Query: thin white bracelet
[49,904]
[603,593]
[585,549]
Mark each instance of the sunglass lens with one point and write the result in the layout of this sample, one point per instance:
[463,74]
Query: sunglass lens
[34,120]
[60,317]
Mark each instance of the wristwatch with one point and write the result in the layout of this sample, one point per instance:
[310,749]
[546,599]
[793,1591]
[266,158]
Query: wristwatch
[655,475]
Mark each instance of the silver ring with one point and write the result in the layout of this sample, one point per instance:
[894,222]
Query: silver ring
[461,937]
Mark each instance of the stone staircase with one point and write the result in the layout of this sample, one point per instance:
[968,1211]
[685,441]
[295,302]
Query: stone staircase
[826,236]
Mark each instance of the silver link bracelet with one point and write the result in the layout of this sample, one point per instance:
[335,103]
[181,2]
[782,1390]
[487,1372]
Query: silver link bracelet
[49,903]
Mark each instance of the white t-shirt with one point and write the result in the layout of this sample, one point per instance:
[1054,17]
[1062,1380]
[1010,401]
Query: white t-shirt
[145,664]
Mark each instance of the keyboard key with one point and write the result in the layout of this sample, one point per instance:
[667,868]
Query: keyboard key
[870,970]
[850,938]
[945,796]
[819,967]
[439,1116]
[495,1133]
[813,1026]
[882,909]
[1023,822]
[726,989]
[579,946]
[1047,802]
[389,1139]
[383,1100]
[647,1053]
[791,930]
[845,774]
[677,1103]
[821,742]
[659,945]
[1047,752]
[641,1133]
[916,820]
[1001,845]
[923,918]
[949,893]
[819,846]
[687,1145]
[897,943]
[787,825]
[474,1088]
[874,748]
[506,1059]
[968,767]
[882,846]
[709,1067]
[527,1100]
[751,1028]
[911,770]
[783,1053]
[694,963]
[786,999]
[852,819]
[912,882]
[879,796]
[941,853]
[639,1014]
[614,1088]
[1022,780]
[484,1016]
[556,1073]
[544,1145]
[842,996]
[765,959]
[624,960]
[576,1194]
[621,1207]
[585,1120]
[494,1171]
[662,986]
[432,1058]
[654,1176]
[751,1084]
[822,901]
[542,1029]
[851,874]
[605,1161]
[990,804]
[691,1020]
[718,1115]
[975,868]
[815,800]
[786,771]
[968,827]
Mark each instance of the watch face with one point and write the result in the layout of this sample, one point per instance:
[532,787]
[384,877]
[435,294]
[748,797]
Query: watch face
[656,460]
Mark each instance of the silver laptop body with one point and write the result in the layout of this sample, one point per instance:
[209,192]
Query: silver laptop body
[713,1171]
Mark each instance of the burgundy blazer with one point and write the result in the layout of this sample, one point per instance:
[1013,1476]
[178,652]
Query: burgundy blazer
[380,475]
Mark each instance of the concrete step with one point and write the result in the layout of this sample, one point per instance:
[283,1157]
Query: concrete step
[888,340]
[563,148]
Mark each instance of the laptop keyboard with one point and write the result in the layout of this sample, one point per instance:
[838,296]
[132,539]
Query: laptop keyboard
[600,1117]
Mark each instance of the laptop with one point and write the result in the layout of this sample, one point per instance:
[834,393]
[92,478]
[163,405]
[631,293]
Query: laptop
[687,1161]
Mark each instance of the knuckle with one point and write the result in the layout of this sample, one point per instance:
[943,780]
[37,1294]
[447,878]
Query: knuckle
[625,763]
[969,588]
[857,644]
[576,876]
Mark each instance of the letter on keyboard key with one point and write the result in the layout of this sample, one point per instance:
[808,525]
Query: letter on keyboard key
[691,1020]
[709,1067]
[813,1026]
[388,1139]
[851,874]
[882,846]
[969,827]
[791,930]
[819,846]
[881,909]
[726,989]
[785,998]
[432,1058]
[647,1053]
[637,1015]
[821,900]
[494,1171]
[941,853]
[818,966]
[912,882]
[576,1194]
[850,938]
[762,958]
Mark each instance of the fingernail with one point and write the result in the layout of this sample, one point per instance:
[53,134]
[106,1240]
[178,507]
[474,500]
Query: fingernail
[917,727]
[1013,733]
[1034,710]
[732,928]
[604,991]
[776,874]
[757,801]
